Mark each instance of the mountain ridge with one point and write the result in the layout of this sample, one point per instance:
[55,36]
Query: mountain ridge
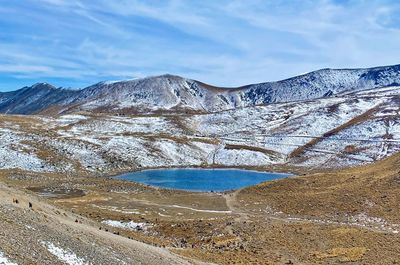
[174,93]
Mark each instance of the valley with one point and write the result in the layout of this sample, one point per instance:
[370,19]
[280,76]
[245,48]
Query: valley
[337,131]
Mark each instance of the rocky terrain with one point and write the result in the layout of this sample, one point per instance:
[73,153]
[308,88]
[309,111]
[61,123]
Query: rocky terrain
[35,232]
[346,130]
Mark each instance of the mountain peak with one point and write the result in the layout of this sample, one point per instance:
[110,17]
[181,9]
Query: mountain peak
[42,85]
[134,79]
[167,75]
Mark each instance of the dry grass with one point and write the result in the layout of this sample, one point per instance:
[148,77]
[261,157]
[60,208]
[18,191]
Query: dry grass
[251,148]
[372,189]
[351,254]
[359,119]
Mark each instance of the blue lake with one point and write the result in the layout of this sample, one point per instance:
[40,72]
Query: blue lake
[201,179]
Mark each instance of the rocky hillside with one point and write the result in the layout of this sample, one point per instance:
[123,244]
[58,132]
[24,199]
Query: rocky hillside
[341,131]
[174,93]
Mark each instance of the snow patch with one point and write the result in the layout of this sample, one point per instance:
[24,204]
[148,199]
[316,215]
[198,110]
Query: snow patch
[64,255]
[127,225]
[5,261]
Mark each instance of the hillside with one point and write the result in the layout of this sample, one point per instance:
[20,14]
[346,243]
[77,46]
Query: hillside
[45,234]
[347,130]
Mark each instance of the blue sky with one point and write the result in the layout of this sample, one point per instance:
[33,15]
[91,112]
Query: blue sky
[74,43]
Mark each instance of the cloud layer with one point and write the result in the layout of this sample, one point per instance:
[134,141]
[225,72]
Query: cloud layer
[227,43]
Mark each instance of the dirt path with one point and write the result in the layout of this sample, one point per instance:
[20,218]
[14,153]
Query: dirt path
[231,200]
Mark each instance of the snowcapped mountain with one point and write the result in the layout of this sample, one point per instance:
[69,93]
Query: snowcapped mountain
[174,93]
[166,92]
[323,83]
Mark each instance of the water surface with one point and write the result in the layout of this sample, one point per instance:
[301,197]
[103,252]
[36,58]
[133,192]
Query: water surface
[201,179]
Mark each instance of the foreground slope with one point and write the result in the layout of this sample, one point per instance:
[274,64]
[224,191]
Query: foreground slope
[45,234]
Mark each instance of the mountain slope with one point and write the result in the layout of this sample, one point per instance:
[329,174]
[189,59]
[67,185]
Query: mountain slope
[29,100]
[323,83]
[342,131]
[160,92]
[174,93]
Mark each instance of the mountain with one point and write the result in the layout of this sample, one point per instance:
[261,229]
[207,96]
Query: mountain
[324,83]
[29,100]
[174,93]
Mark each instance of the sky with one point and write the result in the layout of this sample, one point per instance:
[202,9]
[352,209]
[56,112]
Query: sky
[73,43]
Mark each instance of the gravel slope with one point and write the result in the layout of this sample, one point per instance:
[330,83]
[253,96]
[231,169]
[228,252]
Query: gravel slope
[44,234]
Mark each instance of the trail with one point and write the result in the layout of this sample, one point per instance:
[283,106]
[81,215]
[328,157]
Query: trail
[230,203]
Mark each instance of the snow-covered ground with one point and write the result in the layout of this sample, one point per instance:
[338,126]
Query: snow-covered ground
[65,256]
[5,261]
[331,132]
[16,153]
[127,225]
